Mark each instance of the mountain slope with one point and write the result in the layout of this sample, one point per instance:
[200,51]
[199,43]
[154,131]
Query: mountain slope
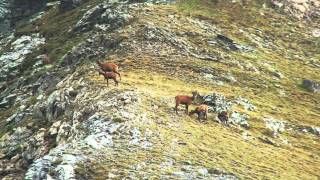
[60,120]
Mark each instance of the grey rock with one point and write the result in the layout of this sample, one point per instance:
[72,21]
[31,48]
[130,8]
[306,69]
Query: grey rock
[203,171]
[110,14]
[98,141]
[229,44]
[315,130]
[10,61]
[54,128]
[217,102]
[56,105]
[307,129]
[240,119]
[135,136]
[178,173]
[299,9]
[94,47]
[8,100]
[230,78]
[278,74]
[311,85]
[245,103]
[276,126]
[268,140]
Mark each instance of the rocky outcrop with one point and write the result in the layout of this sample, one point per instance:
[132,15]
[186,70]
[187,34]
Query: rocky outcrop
[93,47]
[105,16]
[276,126]
[217,102]
[308,9]
[12,59]
[248,106]
[240,119]
[12,11]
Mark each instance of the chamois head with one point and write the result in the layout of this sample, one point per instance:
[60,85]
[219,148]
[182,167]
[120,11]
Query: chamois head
[100,72]
[192,112]
[195,94]
[99,63]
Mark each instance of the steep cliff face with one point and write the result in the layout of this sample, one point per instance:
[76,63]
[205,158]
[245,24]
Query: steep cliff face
[59,120]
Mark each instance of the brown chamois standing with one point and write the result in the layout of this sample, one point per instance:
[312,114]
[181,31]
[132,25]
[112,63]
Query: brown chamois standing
[109,67]
[223,117]
[109,75]
[200,110]
[186,100]
[45,59]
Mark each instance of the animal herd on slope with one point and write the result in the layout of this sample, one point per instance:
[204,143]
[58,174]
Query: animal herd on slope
[111,71]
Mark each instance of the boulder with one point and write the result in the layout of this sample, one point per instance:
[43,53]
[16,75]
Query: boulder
[240,119]
[245,103]
[276,126]
[311,85]
[217,102]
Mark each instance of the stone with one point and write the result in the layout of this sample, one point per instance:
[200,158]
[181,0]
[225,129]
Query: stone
[268,141]
[278,74]
[54,128]
[99,141]
[63,133]
[8,101]
[311,85]
[315,130]
[240,119]
[217,102]
[229,44]
[178,173]
[203,171]
[245,103]
[316,33]
[66,172]
[57,104]
[276,126]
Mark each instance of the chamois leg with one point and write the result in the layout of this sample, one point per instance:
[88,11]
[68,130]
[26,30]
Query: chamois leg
[118,74]
[187,109]
[107,82]
[116,82]
[176,108]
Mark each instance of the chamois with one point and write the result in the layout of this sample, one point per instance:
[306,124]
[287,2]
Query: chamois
[109,67]
[186,100]
[223,117]
[202,109]
[109,75]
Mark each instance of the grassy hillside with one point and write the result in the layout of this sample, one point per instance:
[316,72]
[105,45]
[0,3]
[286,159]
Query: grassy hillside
[163,77]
